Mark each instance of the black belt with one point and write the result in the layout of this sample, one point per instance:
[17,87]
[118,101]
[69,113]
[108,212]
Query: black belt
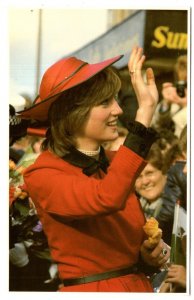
[100,276]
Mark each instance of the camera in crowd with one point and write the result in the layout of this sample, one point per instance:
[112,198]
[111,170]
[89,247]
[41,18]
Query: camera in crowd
[180,88]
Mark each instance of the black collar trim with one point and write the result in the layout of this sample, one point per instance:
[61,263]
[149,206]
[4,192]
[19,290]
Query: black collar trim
[89,164]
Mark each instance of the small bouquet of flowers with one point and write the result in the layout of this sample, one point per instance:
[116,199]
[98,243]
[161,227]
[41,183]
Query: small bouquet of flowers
[25,225]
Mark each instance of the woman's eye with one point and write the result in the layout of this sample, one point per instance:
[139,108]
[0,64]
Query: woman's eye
[105,102]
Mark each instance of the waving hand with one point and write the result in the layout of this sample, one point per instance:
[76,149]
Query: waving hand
[145,90]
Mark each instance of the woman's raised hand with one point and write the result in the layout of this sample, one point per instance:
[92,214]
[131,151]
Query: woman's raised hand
[145,90]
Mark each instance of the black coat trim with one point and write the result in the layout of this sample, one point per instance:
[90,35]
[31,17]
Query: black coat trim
[89,164]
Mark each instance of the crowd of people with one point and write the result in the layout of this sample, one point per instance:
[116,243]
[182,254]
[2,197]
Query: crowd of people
[82,189]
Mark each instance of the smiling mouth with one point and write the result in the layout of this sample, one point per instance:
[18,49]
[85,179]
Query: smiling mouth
[112,123]
[148,188]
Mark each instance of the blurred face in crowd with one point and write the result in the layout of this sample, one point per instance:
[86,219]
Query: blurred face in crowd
[150,183]
[101,125]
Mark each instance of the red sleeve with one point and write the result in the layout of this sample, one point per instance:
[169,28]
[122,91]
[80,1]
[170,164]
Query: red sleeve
[73,194]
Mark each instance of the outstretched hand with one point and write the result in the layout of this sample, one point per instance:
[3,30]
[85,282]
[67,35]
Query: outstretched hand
[145,90]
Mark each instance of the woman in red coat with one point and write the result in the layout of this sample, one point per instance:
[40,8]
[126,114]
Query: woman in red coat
[85,197]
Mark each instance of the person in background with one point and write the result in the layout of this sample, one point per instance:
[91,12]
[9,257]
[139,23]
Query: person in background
[84,197]
[175,189]
[166,139]
[173,107]
[30,265]
[175,281]
[150,183]
[176,278]
[17,130]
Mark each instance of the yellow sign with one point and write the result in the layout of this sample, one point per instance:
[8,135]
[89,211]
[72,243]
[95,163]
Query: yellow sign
[171,40]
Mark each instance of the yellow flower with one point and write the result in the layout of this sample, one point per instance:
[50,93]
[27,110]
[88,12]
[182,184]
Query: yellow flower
[151,226]
[153,231]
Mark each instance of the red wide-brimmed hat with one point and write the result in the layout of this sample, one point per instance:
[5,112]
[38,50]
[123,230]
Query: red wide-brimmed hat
[61,76]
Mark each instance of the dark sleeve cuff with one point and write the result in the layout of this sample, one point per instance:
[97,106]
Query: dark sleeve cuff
[140,138]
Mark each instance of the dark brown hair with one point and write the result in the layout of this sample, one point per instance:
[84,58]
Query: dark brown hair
[156,159]
[70,111]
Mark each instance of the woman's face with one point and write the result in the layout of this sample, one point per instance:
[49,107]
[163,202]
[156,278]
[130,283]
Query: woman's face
[150,183]
[100,126]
